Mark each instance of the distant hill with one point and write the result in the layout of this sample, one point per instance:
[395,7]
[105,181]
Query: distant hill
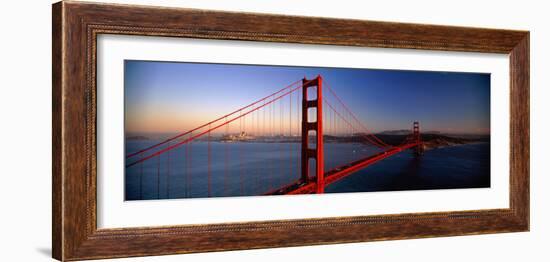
[405,132]
[430,140]
[137,138]
[395,132]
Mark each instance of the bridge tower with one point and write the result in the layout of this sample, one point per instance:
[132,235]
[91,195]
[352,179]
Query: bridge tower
[317,126]
[419,149]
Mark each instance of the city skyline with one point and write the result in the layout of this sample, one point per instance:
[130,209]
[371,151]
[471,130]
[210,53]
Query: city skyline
[172,97]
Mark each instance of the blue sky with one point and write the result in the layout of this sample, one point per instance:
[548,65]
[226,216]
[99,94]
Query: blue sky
[173,97]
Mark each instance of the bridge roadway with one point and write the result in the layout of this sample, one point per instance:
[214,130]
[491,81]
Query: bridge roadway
[299,187]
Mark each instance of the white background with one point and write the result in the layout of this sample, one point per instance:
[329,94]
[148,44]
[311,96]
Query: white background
[114,212]
[25,106]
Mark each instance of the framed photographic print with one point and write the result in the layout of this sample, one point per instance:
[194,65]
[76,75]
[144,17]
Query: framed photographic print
[181,130]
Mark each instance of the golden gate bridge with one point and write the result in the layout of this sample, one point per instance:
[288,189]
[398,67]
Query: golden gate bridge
[314,115]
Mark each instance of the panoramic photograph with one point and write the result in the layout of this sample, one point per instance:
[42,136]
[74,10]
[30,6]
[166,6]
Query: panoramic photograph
[200,130]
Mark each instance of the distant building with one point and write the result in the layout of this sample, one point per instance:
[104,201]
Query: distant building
[243,136]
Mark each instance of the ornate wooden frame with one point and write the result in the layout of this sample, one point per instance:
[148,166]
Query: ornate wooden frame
[76,26]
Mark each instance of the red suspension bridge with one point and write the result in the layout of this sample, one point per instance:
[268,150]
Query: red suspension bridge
[296,119]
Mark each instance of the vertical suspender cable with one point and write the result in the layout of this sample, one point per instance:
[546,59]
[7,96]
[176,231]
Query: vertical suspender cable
[239,148]
[225,159]
[209,165]
[158,177]
[168,175]
[290,134]
[141,179]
